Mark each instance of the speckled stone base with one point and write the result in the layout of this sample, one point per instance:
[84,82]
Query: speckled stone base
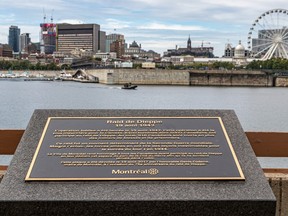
[250,197]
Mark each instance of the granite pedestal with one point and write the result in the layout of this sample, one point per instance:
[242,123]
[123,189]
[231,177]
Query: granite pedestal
[250,197]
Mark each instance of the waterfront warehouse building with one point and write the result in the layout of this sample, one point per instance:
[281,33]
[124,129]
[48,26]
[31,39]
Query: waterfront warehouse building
[81,37]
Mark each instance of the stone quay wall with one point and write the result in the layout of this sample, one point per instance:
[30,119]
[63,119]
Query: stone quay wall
[281,81]
[142,76]
[182,77]
[230,78]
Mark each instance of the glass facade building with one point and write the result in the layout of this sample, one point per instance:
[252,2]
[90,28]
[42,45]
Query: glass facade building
[13,38]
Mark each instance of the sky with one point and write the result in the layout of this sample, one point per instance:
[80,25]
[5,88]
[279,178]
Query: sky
[155,24]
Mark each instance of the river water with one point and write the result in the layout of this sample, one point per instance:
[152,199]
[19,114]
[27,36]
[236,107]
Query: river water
[258,109]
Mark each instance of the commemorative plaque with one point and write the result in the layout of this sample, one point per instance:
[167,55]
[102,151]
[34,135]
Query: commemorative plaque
[79,162]
[134,148]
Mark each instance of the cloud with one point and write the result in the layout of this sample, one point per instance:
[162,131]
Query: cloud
[4,29]
[157,23]
[70,21]
[116,12]
[34,4]
[8,18]
[159,26]
[115,24]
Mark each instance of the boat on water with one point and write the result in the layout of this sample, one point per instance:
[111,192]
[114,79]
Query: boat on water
[63,76]
[129,86]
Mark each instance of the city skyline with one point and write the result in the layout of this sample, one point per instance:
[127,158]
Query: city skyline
[157,25]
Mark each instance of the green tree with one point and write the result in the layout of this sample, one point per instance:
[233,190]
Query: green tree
[31,67]
[270,64]
[52,66]
[38,66]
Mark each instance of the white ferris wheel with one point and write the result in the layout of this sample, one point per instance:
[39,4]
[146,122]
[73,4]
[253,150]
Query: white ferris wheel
[268,35]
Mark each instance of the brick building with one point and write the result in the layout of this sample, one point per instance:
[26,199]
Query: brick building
[6,51]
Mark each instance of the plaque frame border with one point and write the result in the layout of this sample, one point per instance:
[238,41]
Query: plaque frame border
[240,178]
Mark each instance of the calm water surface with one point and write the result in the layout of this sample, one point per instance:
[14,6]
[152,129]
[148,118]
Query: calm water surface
[258,109]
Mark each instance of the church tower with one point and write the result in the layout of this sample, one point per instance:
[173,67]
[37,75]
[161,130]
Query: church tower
[189,46]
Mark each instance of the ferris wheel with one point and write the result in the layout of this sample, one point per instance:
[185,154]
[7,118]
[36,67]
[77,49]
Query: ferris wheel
[268,35]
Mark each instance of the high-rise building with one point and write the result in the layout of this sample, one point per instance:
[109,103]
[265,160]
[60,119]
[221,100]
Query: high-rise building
[118,47]
[112,38]
[13,38]
[24,42]
[48,38]
[79,36]
[102,41]
[115,43]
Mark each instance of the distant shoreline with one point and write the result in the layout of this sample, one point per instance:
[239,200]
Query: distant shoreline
[173,77]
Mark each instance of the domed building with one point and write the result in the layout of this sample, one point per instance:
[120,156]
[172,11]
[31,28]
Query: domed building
[235,52]
[239,51]
[239,55]
[136,50]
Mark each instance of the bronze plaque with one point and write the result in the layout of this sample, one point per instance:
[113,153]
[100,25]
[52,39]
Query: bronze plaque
[134,148]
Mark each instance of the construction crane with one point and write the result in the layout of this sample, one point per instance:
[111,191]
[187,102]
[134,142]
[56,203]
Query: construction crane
[52,15]
[44,16]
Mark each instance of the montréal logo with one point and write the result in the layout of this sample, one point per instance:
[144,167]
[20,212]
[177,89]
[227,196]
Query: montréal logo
[151,171]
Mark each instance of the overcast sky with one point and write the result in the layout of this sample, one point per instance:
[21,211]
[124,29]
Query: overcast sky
[155,24]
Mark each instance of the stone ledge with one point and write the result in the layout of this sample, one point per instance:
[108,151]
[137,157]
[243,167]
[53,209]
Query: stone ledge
[278,183]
